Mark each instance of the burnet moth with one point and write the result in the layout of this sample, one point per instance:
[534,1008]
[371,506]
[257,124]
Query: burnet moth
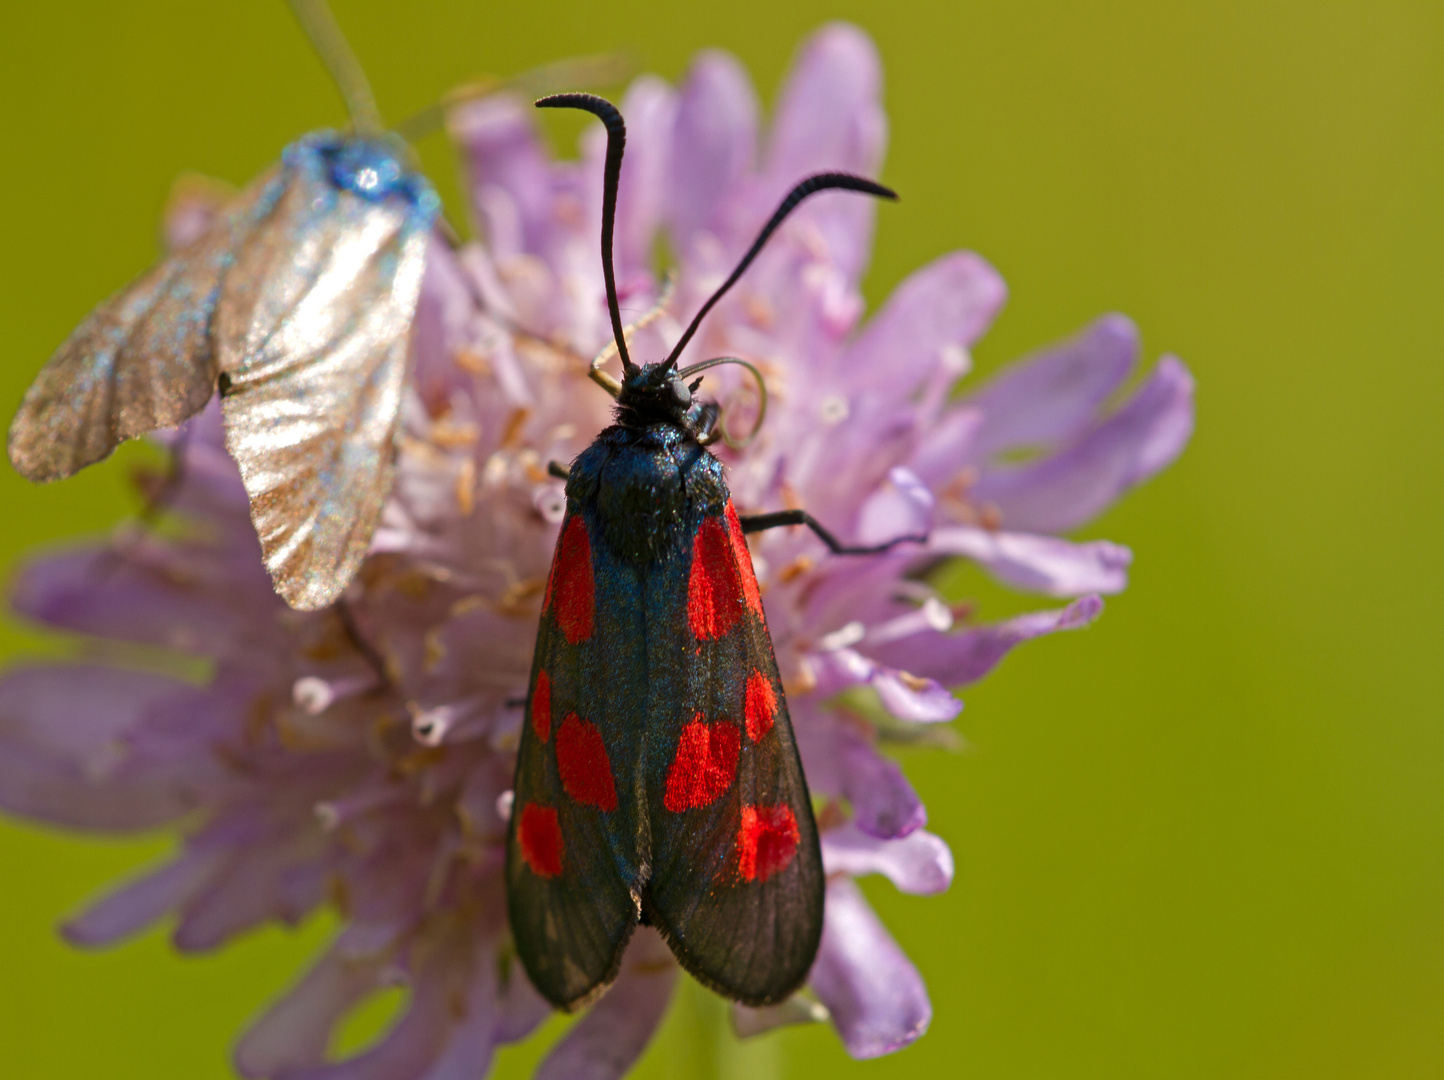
[657,781]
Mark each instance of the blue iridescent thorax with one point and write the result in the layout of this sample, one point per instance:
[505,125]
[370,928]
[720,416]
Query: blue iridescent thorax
[373,168]
[644,489]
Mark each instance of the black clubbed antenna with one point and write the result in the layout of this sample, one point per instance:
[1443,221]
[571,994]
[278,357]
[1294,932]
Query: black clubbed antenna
[820,182]
[607,113]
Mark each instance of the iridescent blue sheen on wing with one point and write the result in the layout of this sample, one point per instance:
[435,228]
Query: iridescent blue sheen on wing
[299,299]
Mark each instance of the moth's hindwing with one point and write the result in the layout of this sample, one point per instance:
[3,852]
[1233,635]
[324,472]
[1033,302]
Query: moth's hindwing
[736,881]
[577,838]
[312,335]
[142,360]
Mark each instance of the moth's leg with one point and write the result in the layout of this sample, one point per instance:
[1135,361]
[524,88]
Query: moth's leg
[113,557]
[704,422]
[758,522]
[374,660]
[159,500]
[557,469]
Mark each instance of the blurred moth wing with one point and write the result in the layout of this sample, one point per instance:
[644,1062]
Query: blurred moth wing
[313,336]
[298,301]
[143,360]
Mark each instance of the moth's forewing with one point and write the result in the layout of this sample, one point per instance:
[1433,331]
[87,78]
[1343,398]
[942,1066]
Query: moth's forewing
[143,360]
[737,883]
[312,337]
[576,841]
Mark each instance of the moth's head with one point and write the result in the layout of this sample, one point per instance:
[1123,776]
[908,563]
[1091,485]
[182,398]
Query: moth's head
[656,392]
[373,168]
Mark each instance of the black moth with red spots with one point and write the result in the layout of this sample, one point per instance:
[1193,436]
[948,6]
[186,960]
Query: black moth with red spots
[657,780]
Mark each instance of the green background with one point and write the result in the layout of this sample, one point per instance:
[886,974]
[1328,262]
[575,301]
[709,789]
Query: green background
[1204,838]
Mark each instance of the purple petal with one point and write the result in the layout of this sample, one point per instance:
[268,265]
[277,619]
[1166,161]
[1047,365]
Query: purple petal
[956,659]
[829,119]
[1053,395]
[519,1008]
[211,486]
[1040,564]
[443,315]
[901,507]
[409,1047]
[104,594]
[946,445]
[930,614]
[877,998]
[252,889]
[919,863]
[138,903]
[884,804]
[62,755]
[296,1029]
[194,204]
[909,697]
[35,787]
[903,694]
[714,142]
[76,711]
[180,734]
[604,1044]
[511,180]
[469,1050]
[650,108]
[494,1015]
[1066,490]
[947,305]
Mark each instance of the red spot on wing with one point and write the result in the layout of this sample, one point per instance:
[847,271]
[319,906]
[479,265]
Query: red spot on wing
[541,706]
[714,589]
[582,762]
[744,560]
[766,841]
[571,593]
[760,707]
[540,837]
[704,766]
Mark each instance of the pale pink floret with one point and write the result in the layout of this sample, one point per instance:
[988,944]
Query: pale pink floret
[360,756]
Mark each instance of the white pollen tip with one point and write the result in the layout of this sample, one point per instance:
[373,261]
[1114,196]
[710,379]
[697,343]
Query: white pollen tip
[834,409]
[938,614]
[843,637]
[327,815]
[313,694]
[957,360]
[429,726]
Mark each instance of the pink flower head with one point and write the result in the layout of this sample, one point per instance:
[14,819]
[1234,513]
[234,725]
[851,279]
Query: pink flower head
[362,756]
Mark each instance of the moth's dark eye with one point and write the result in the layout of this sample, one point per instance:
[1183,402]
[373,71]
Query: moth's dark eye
[680,394]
